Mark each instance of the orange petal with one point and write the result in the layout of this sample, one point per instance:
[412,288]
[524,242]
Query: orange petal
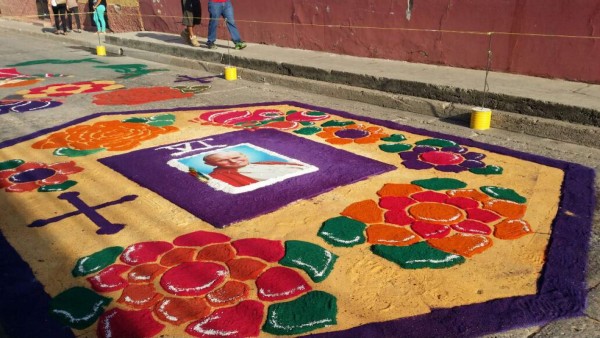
[219,252]
[391,235]
[399,190]
[177,256]
[245,268]
[337,140]
[462,244]
[470,193]
[507,209]
[180,310]
[230,293]
[365,211]
[512,229]
[139,296]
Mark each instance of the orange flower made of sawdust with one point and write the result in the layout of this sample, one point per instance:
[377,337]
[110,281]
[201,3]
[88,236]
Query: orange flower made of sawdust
[110,135]
[353,133]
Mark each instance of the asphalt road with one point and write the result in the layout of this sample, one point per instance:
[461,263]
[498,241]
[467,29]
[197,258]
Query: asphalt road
[22,48]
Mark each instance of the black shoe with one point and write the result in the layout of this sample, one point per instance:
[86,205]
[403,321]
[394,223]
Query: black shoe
[211,46]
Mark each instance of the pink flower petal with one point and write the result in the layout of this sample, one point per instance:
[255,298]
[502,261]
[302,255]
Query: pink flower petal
[144,252]
[109,279]
[399,217]
[242,320]
[482,215]
[430,230]
[395,203]
[429,196]
[268,250]
[121,323]
[279,283]
[200,238]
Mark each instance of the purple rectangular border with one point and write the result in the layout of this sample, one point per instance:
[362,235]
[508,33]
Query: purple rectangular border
[562,284]
[337,168]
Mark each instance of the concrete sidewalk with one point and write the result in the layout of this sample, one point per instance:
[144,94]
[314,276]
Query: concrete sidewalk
[548,108]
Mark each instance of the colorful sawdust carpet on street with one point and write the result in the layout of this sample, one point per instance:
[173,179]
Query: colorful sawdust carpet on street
[283,219]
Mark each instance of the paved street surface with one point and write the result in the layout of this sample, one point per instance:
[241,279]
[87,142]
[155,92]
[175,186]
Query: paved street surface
[25,46]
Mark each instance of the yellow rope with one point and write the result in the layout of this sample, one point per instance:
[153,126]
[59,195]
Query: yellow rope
[353,27]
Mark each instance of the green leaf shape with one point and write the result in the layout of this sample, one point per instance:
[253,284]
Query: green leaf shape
[440,183]
[314,310]
[57,187]
[161,120]
[437,142]
[136,120]
[394,138]
[503,194]
[488,170]
[78,307]
[290,112]
[307,123]
[96,261]
[308,130]
[395,148]
[10,164]
[70,152]
[343,231]
[335,123]
[315,113]
[316,261]
[418,256]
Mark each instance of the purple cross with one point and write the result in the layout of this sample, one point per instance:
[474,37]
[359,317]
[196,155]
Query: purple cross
[106,227]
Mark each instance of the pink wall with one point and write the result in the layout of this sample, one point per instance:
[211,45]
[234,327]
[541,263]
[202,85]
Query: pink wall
[546,39]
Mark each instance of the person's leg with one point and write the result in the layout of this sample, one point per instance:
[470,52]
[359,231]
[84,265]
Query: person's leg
[96,21]
[228,15]
[215,10]
[75,11]
[100,10]
[62,13]
[56,22]
[69,19]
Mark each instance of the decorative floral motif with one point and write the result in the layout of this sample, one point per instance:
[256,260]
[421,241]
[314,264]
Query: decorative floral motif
[416,227]
[261,118]
[141,95]
[11,77]
[351,133]
[20,106]
[67,89]
[202,282]
[19,176]
[447,156]
[113,135]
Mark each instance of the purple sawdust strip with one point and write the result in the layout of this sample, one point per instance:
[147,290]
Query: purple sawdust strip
[562,289]
[336,167]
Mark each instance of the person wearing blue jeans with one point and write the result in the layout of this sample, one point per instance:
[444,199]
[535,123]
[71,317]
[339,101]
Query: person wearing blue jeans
[217,9]
[99,9]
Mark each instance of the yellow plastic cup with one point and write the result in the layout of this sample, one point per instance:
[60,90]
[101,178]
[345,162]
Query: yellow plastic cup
[230,73]
[100,50]
[481,118]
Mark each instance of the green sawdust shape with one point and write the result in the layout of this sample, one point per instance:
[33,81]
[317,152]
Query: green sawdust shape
[313,259]
[57,187]
[394,148]
[308,130]
[314,310]
[335,123]
[10,164]
[343,231]
[437,142]
[70,152]
[78,307]
[394,138]
[417,256]
[488,170]
[503,193]
[440,184]
[96,261]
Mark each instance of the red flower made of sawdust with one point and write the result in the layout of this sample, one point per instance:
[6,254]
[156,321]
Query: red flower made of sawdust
[141,95]
[66,89]
[110,135]
[353,133]
[33,175]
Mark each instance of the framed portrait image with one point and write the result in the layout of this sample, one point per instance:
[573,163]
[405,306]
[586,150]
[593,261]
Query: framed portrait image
[241,168]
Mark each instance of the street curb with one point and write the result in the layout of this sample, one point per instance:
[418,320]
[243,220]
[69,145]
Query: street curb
[494,101]
[452,112]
